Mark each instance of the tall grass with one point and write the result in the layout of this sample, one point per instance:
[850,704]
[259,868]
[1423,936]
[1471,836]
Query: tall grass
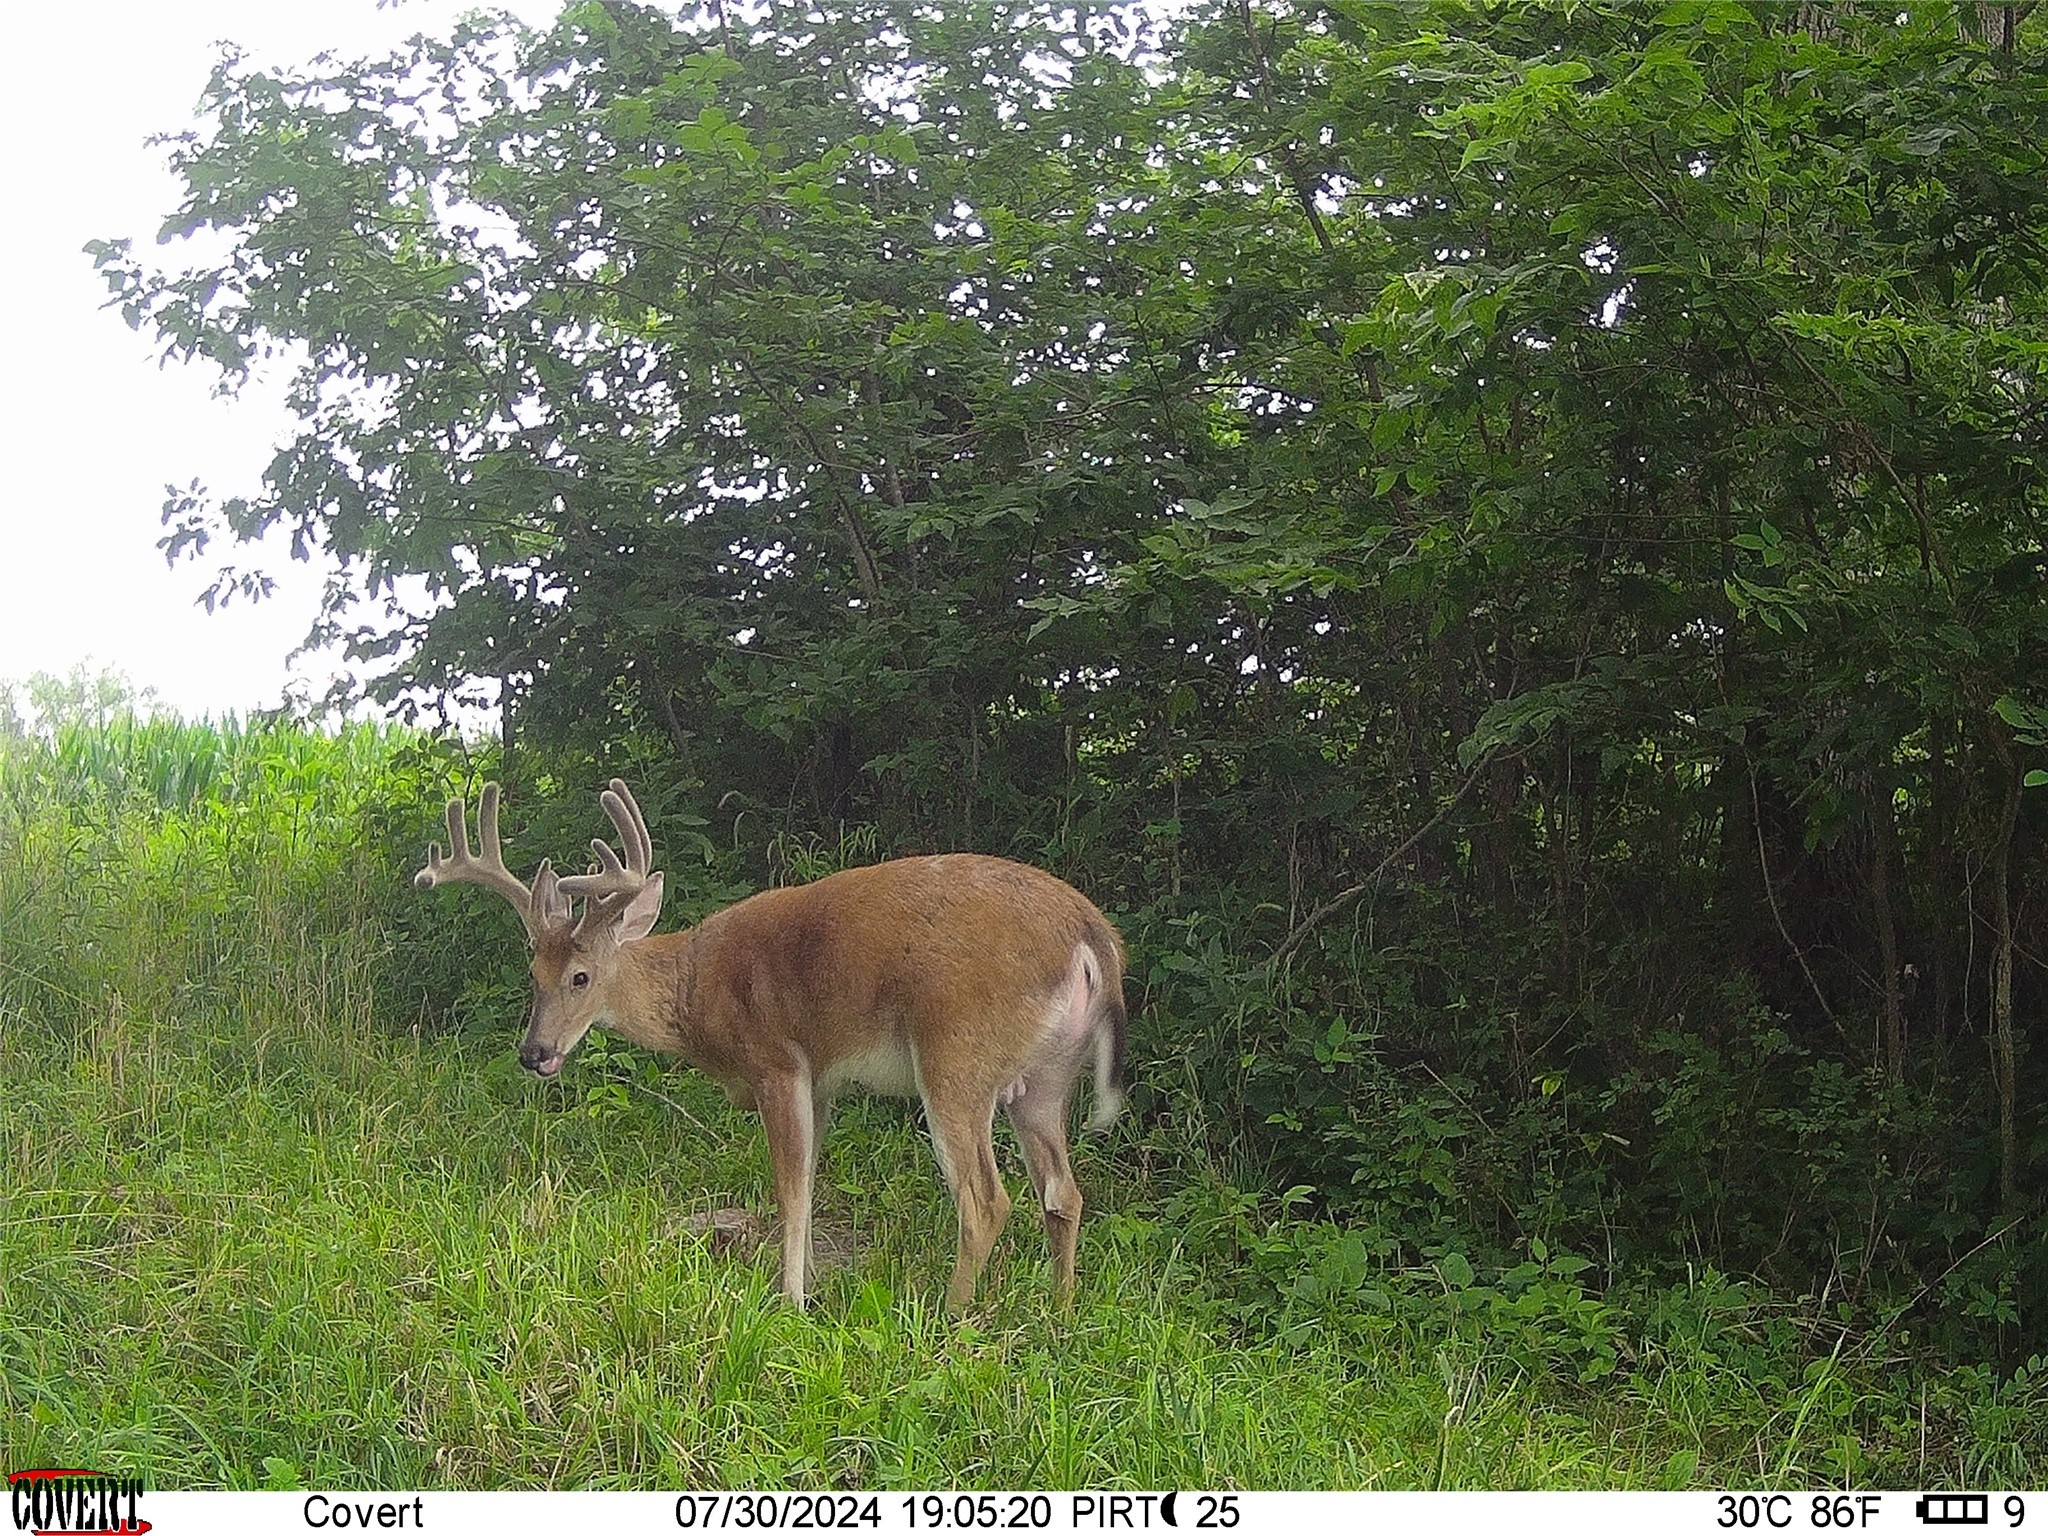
[264,1222]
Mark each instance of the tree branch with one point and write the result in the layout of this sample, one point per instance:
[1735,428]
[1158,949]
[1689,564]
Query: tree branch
[1344,898]
[1763,864]
[856,535]
[1285,147]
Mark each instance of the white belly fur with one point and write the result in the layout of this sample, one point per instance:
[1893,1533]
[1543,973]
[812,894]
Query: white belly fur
[885,1069]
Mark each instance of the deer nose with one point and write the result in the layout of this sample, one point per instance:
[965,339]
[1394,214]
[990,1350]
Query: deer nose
[538,1058]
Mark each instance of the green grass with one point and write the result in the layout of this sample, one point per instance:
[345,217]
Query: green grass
[255,1230]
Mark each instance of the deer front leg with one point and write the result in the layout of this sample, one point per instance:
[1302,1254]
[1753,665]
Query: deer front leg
[787,1113]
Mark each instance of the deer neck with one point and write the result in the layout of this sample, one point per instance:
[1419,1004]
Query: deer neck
[651,993]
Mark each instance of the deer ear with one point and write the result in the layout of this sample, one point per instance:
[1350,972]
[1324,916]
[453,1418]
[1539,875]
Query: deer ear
[637,921]
[548,904]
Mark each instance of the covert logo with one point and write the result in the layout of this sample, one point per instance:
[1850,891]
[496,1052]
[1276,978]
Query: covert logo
[70,1501]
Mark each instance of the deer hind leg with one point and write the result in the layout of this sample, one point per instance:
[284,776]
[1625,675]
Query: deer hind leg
[967,1157]
[1039,1116]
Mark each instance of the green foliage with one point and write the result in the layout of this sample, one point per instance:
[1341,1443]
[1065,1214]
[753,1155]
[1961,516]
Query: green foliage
[258,1229]
[84,695]
[1531,515]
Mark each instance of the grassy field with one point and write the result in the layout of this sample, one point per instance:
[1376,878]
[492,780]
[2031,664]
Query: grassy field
[261,1225]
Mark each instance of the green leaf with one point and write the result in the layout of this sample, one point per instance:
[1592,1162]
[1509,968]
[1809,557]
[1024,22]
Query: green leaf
[1927,140]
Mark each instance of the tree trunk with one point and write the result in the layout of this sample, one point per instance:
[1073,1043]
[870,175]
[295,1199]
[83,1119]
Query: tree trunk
[662,700]
[1883,838]
[2002,1050]
[505,731]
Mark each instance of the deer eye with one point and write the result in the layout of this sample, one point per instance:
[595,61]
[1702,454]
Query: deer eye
[580,979]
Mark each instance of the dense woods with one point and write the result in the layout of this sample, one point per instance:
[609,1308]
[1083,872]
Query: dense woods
[1503,544]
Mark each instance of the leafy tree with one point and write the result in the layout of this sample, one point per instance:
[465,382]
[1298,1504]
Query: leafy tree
[47,703]
[1512,536]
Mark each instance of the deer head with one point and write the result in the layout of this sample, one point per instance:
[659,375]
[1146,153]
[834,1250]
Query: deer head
[575,955]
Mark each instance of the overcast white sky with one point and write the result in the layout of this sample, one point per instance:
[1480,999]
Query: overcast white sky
[90,429]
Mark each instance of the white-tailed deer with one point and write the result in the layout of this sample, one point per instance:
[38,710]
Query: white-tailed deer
[964,980]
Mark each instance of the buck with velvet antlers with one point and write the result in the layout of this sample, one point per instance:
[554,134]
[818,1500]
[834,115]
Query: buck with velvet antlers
[964,980]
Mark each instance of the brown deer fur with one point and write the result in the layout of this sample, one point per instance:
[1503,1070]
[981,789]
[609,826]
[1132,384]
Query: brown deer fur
[964,980]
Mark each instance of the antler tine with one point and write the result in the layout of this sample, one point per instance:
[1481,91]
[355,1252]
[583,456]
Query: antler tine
[487,827]
[624,810]
[615,881]
[485,866]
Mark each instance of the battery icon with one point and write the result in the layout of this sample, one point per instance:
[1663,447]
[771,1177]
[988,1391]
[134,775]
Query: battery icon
[1953,1509]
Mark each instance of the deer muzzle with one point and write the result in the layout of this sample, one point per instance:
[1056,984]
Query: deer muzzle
[542,1060]
[552,1031]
